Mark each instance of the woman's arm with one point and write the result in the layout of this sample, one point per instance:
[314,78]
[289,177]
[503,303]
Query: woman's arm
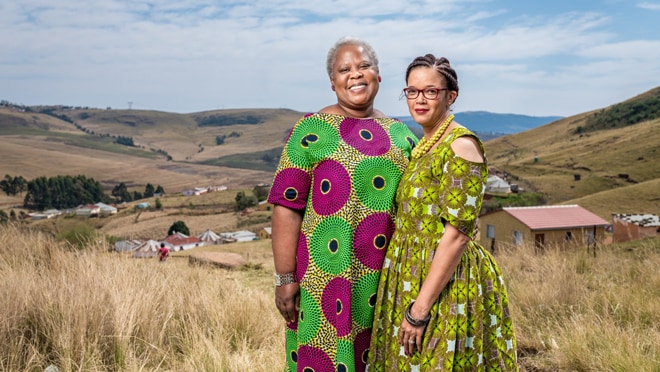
[444,264]
[285,235]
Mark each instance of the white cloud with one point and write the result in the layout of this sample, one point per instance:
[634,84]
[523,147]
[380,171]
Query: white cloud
[194,55]
[649,5]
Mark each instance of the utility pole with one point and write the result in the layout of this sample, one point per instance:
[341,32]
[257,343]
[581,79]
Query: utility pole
[130,104]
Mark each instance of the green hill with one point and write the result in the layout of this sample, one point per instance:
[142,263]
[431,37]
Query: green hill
[606,160]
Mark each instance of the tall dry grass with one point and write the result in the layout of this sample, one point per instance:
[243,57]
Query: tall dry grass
[97,311]
[577,312]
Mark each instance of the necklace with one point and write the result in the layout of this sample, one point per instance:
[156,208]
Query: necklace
[425,145]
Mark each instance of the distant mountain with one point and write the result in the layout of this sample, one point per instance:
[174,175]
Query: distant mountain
[490,125]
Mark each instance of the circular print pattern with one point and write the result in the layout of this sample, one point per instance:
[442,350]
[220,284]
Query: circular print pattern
[309,319]
[311,359]
[331,189]
[292,186]
[291,349]
[332,236]
[371,238]
[345,357]
[365,135]
[364,299]
[336,305]
[402,136]
[375,181]
[311,140]
[362,349]
[302,257]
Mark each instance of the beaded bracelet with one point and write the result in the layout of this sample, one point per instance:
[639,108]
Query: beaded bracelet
[412,320]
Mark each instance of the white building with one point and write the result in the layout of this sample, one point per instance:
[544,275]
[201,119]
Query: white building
[239,236]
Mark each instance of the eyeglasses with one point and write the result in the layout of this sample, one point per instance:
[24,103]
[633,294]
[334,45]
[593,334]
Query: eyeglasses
[428,93]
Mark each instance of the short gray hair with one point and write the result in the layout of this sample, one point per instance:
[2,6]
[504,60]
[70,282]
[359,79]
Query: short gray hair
[349,40]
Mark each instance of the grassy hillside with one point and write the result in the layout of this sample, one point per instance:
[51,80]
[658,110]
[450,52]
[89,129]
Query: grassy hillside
[605,170]
[606,160]
[172,150]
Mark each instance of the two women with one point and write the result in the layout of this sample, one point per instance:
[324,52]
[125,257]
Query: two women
[442,303]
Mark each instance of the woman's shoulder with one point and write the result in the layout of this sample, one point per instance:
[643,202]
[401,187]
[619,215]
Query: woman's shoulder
[466,144]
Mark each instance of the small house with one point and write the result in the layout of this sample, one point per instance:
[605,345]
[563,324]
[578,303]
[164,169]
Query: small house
[540,226]
[147,249]
[239,236]
[265,233]
[209,237]
[181,242]
[628,227]
[89,210]
[127,245]
[106,210]
[496,184]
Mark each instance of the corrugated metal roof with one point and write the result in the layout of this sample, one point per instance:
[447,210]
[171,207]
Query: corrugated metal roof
[645,220]
[555,217]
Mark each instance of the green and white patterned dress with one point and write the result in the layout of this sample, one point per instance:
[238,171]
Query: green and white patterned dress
[470,327]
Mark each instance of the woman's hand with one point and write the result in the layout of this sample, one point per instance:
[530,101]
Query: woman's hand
[410,337]
[287,300]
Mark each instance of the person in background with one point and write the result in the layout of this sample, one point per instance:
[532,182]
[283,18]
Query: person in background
[163,252]
[442,304]
[333,197]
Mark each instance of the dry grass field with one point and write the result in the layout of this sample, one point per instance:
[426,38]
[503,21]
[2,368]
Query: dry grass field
[94,310]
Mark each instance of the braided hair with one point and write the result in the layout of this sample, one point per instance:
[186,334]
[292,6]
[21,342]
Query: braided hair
[441,65]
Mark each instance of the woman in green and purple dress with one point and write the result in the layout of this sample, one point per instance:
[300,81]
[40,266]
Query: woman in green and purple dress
[441,304]
[333,193]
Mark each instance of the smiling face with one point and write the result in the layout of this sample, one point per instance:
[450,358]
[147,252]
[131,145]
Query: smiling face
[429,112]
[354,79]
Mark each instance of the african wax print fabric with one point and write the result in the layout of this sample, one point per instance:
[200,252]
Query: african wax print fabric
[470,327]
[343,173]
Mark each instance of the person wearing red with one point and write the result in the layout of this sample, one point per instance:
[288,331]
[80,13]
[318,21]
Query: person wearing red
[163,252]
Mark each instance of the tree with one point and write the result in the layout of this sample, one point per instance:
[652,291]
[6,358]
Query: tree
[13,185]
[149,190]
[121,192]
[243,201]
[180,227]
[3,217]
[159,190]
[158,205]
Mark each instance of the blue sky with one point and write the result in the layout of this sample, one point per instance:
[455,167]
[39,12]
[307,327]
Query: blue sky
[525,57]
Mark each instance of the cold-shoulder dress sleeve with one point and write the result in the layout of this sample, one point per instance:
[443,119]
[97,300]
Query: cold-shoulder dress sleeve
[462,186]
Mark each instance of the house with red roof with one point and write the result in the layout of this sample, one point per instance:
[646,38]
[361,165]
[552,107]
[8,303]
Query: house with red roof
[181,242]
[541,226]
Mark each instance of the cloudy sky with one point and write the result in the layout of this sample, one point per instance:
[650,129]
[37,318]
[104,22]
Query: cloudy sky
[540,58]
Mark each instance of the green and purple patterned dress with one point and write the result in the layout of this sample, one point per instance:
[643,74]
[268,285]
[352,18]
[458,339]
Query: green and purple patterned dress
[470,327]
[343,173]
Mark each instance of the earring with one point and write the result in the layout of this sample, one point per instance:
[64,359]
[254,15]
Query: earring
[332,87]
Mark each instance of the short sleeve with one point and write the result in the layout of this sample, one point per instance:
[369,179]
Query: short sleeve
[463,184]
[292,181]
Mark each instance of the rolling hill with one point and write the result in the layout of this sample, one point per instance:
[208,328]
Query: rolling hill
[613,151]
